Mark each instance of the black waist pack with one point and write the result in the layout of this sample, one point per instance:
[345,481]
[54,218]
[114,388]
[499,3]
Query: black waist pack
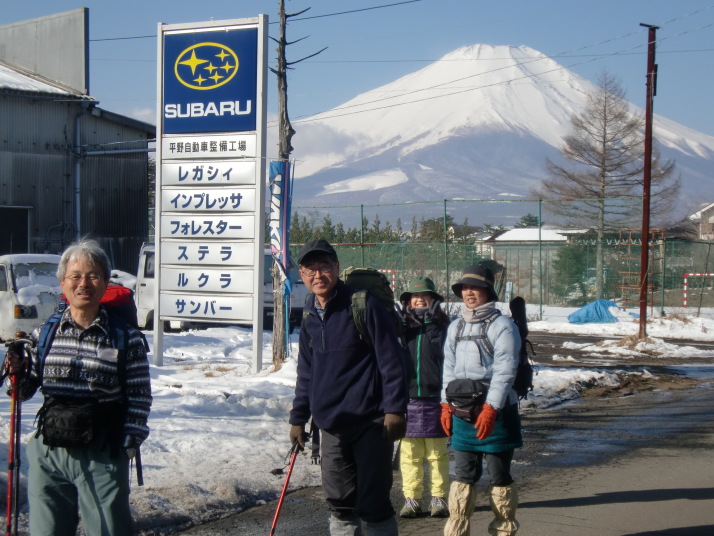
[67,425]
[466,398]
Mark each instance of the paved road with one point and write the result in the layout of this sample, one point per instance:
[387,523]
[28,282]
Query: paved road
[617,466]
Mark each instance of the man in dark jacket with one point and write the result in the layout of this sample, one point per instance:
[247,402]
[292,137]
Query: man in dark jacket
[356,392]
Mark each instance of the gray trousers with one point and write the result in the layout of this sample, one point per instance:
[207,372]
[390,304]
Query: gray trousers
[65,482]
[357,471]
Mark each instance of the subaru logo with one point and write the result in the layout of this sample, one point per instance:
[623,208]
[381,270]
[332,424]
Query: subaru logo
[206,66]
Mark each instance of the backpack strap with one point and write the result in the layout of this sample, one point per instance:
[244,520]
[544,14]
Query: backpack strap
[47,334]
[359,314]
[358,308]
[481,339]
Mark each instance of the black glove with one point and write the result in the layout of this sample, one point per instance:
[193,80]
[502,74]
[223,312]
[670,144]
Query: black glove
[298,435]
[431,313]
[395,426]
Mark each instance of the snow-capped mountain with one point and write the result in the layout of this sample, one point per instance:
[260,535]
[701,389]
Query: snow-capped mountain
[476,124]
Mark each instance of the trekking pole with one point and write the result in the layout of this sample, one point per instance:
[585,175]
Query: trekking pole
[16,347]
[294,451]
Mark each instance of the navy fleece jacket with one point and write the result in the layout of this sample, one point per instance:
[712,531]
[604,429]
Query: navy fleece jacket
[342,379]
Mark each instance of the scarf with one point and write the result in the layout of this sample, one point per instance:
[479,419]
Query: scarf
[479,314]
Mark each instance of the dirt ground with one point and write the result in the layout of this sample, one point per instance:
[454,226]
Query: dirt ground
[560,443]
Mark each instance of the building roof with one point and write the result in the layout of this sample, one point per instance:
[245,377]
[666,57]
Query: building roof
[531,234]
[697,216]
[20,81]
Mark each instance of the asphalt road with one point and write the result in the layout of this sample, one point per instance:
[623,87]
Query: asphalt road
[636,462]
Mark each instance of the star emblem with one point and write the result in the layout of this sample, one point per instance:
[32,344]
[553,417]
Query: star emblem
[206,66]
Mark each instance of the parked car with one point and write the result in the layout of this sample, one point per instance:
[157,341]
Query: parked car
[29,292]
[297,296]
[144,292]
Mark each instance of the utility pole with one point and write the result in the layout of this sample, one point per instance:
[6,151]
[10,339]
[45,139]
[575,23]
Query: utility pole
[651,92]
[285,148]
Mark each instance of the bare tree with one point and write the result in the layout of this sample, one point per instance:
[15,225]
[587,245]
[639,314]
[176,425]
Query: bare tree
[285,134]
[603,170]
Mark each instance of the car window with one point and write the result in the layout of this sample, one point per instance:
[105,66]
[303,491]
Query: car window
[149,266]
[3,279]
[34,273]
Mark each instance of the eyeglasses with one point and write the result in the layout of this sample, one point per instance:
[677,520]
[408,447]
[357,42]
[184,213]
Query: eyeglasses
[322,268]
[92,276]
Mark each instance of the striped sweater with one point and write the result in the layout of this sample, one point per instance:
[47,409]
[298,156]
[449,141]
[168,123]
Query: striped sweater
[83,364]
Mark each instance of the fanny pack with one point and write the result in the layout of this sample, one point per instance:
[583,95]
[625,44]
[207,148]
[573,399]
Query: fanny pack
[466,398]
[66,424]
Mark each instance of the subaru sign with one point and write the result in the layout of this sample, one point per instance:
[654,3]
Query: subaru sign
[210,175]
[210,81]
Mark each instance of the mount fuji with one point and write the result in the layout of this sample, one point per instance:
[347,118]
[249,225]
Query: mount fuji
[476,124]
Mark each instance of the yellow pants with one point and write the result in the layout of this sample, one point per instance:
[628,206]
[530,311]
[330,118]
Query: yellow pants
[413,452]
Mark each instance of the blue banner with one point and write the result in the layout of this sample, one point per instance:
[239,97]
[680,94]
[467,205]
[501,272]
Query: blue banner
[279,218]
[210,81]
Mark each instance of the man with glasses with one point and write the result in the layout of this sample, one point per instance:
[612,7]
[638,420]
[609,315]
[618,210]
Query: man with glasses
[97,399]
[355,391]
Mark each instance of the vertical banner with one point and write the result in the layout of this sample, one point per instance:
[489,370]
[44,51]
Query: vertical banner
[279,227]
[279,221]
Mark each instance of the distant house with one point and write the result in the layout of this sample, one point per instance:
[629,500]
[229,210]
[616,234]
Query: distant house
[528,255]
[67,167]
[705,219]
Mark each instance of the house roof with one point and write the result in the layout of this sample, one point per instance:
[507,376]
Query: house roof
[698,214]
[531,234]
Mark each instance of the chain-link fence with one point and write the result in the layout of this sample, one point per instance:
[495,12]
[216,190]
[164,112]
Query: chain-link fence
[568,271]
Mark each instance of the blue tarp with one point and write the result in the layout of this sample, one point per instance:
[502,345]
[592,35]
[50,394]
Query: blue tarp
[595,312]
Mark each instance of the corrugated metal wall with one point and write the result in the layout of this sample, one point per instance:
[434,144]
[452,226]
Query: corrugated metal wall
[37,168]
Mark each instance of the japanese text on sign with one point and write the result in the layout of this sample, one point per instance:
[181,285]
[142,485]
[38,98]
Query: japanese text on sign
[216,173]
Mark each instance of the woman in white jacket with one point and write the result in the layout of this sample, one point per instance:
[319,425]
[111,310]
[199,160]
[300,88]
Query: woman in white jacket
[482,345]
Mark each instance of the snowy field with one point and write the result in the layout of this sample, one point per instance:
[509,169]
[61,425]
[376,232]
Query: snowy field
[220,429]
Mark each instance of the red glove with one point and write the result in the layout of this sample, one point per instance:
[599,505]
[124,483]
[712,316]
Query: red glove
[485,422]
[446,418]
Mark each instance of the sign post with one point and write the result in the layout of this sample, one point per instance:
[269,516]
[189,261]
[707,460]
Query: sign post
[210,175]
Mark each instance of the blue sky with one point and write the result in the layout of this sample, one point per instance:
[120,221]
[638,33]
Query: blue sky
[371,47]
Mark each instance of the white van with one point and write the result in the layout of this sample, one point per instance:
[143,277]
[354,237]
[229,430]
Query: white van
[144,294]
[29,292]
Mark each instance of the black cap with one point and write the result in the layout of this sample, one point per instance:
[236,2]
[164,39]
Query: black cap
[316,246]
[476,276]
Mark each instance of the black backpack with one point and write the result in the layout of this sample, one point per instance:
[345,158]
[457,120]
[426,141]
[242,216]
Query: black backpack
[523,384]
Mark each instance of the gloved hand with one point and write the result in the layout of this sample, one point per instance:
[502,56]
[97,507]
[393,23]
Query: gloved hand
[298,435]
[16,360]
[395,426]
[432,310]
[485,422]
[446,418]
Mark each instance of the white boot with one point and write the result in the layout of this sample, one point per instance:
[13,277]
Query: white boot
[351,526]
[504,503]
[462,500]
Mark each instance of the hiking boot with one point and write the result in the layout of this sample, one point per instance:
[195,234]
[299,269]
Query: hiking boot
[411,508]
[438,507]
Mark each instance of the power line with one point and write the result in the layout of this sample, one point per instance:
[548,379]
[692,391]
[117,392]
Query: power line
[277,22]
[356,10]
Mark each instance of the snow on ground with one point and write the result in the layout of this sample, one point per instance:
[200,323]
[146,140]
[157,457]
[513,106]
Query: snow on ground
[219,429]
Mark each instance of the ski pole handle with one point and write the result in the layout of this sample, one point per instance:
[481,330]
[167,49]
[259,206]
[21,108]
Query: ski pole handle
[139,468]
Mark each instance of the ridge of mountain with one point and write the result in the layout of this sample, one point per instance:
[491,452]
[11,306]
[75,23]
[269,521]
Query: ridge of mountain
[478,123]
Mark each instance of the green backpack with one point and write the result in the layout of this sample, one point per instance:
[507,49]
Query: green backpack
[374,281]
